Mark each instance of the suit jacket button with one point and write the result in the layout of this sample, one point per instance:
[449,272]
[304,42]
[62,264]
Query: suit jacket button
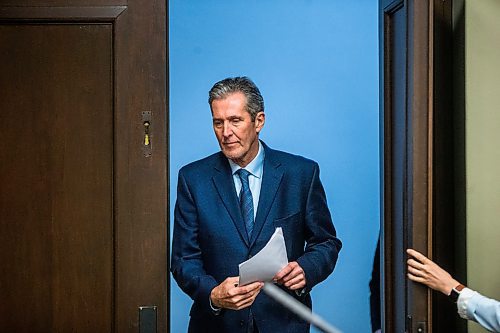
[242,322]
[250,256]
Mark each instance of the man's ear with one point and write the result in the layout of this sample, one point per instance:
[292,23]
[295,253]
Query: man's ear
[260,119]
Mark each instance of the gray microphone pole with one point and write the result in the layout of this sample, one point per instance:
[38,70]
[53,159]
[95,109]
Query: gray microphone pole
[298,308]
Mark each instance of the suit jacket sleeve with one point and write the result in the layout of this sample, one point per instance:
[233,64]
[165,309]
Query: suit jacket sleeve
[322,245]
[186,264]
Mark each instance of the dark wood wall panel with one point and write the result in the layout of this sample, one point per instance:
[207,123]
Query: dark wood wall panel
[141,192]
[84,237]
[56,153]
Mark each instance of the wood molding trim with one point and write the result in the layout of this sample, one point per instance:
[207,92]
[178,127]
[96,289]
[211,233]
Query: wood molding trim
[66,14]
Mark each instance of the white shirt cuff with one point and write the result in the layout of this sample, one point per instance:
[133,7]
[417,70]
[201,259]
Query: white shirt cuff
[215,309]
[300,292]
[463,307]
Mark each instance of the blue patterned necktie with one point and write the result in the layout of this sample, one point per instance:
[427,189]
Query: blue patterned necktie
[246,201]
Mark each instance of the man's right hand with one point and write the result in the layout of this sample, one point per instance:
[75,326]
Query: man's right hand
[230,296]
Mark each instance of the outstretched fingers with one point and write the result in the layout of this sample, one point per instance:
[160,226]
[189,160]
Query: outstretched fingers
[417,255]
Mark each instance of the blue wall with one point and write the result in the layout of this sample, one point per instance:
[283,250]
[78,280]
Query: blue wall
[316,64]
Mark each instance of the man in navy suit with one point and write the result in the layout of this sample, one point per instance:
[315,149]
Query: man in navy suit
[224,216]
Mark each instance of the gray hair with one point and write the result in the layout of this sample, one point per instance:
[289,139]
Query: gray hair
[231,85]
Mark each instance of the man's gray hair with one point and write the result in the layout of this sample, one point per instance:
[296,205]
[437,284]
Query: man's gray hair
[231,85]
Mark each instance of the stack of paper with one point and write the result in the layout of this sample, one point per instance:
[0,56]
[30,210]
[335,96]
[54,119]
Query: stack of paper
[265,264]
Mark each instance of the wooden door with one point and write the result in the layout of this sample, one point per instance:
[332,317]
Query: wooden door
[83,201]
[418,122]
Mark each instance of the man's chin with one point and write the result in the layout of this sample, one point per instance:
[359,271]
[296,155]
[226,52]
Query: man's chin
[231,154]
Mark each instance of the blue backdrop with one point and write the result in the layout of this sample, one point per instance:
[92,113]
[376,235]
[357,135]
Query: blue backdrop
[316,64]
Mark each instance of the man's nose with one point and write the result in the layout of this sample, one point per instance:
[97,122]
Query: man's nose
[227,131]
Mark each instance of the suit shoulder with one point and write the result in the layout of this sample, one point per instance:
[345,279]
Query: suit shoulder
[293,160]
[201,166]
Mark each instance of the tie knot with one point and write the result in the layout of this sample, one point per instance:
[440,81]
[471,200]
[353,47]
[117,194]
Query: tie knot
[243,174]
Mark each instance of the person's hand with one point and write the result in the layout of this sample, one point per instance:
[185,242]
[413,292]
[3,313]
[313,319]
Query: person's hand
[422,269]
[230,296]
[291,276]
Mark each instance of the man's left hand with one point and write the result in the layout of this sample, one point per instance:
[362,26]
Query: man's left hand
[292,276]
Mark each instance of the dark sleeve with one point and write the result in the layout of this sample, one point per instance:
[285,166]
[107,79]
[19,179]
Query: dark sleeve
[375,291]
[322,245]
[186,264]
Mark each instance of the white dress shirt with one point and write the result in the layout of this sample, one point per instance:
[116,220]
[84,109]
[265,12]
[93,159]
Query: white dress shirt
[256,169]
[483,310]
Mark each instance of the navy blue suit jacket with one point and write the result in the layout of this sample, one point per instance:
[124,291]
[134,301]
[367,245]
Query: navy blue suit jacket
[210,240]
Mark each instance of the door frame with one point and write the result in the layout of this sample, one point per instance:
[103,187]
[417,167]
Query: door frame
[435,164]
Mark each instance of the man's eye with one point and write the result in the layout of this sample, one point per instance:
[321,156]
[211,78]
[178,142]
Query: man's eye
[217,124]
[236,121]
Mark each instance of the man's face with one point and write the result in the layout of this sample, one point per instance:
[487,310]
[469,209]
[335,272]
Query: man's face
[236,132]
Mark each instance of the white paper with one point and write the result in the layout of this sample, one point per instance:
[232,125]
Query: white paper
[264,265]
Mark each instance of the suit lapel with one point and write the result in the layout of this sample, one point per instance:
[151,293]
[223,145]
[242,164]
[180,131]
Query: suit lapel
[223,181]
[271,181]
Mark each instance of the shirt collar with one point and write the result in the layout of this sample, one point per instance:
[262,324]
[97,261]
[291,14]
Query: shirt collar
[255,167]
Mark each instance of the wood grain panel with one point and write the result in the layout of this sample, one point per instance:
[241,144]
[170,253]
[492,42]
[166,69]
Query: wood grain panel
[66,14]
[56,153]
[142,184]
[62,3]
